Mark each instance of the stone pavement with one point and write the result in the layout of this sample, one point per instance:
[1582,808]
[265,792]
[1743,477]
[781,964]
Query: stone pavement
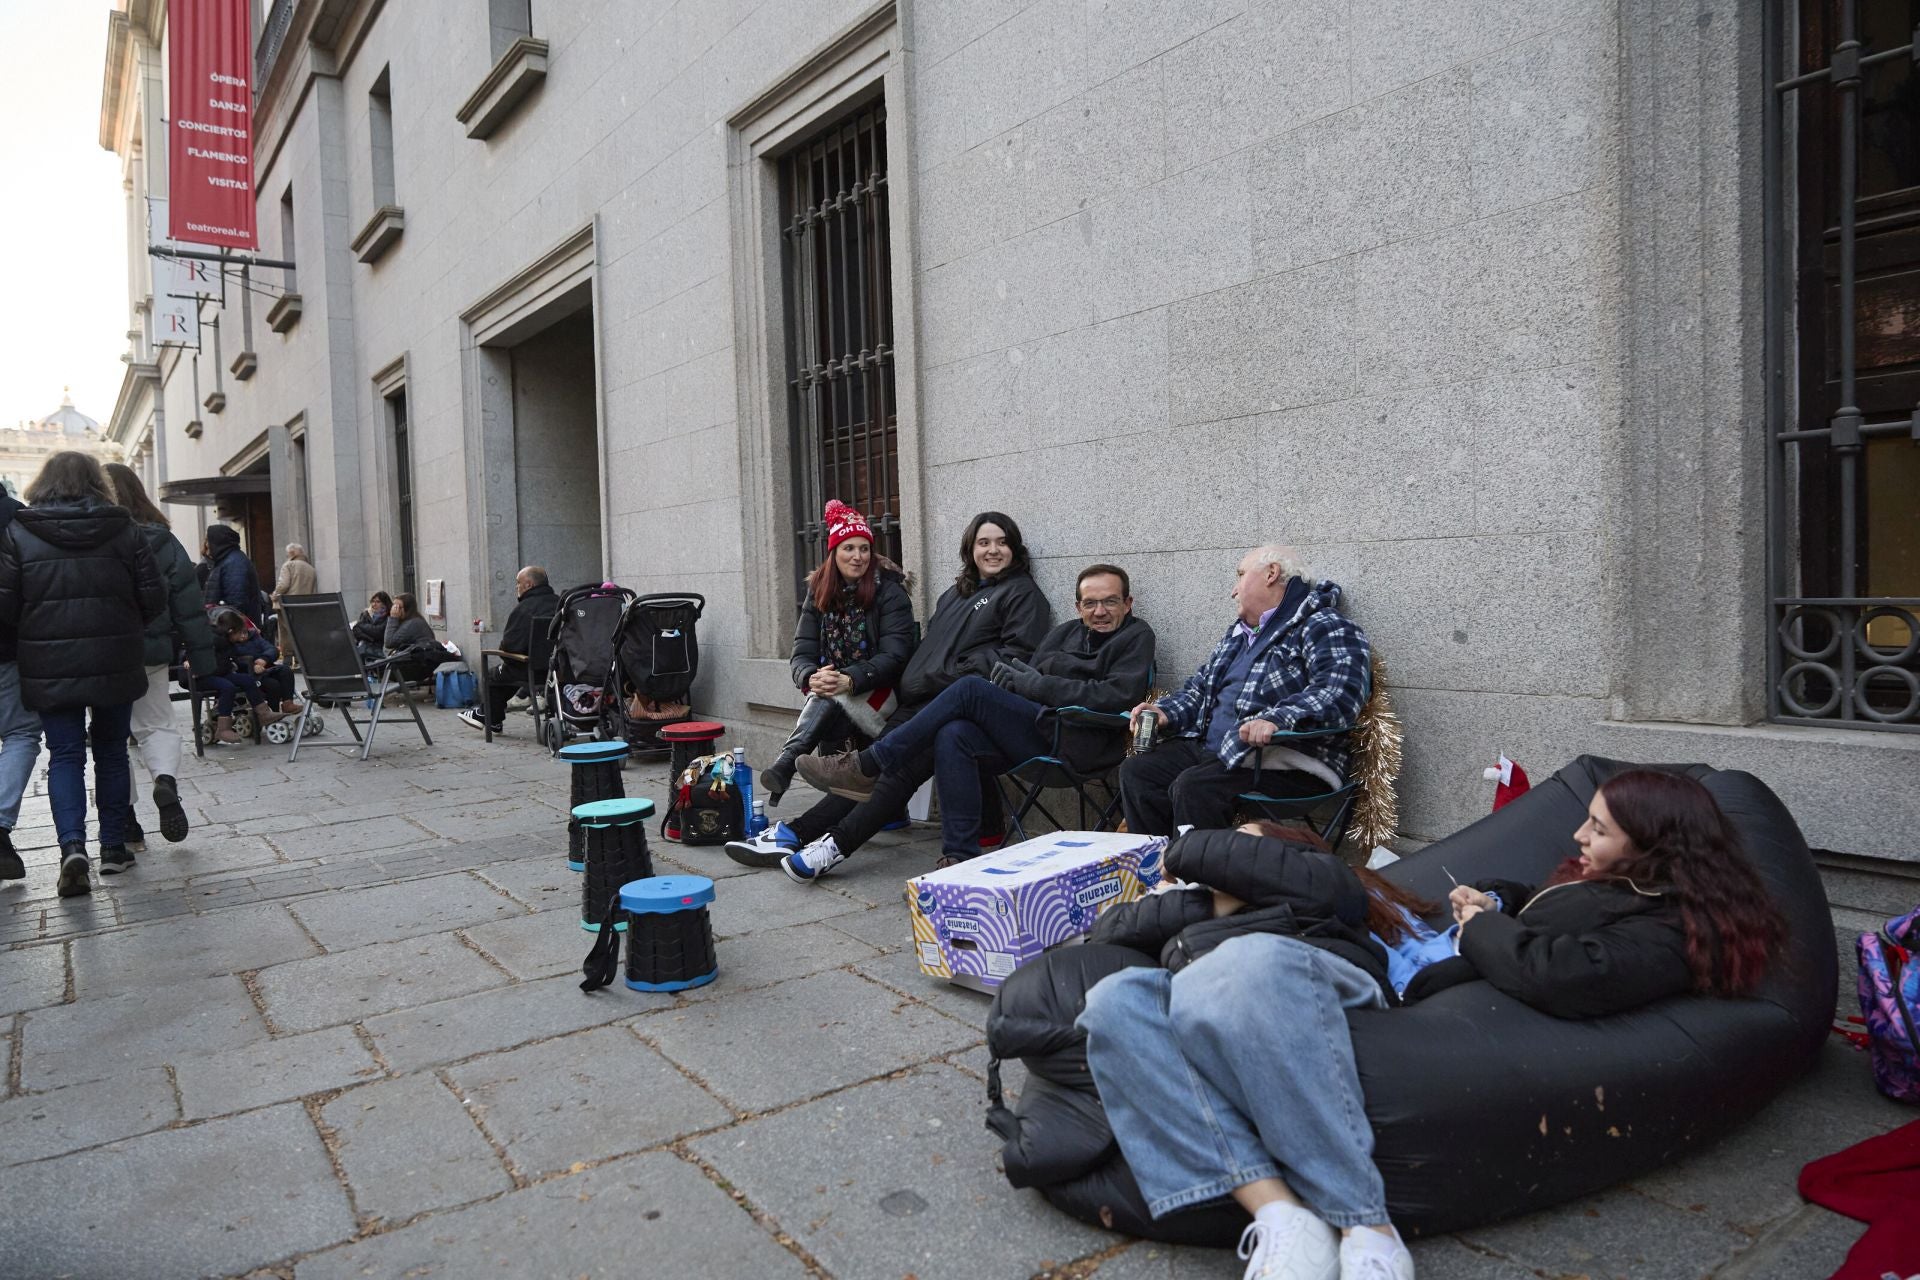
[336,1034]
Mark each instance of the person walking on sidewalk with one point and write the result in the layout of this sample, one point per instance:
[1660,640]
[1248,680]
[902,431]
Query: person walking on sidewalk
[19,732]
[156,731]
[79,585]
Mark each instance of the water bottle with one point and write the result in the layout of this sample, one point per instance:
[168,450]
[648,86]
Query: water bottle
[759,822]
[750,807]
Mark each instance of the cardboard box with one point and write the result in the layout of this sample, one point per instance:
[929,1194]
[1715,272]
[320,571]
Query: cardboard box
[977,921]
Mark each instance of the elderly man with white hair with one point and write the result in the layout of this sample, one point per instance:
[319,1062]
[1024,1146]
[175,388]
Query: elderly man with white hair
[1290,661]
[297,575]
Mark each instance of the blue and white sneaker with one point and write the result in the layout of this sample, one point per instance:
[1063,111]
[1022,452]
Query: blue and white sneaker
[812,862]
[765,849]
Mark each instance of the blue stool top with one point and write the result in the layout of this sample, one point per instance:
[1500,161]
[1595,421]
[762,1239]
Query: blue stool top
[593,752]
[614,813]
[665,894]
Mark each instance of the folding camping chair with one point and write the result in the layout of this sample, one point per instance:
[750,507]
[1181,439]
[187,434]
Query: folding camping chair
[537,659]
[1055,772]
[317,631]
[1341,798]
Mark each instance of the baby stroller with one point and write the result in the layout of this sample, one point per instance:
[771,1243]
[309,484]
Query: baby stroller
[280,732]
[656,657]
[581,668]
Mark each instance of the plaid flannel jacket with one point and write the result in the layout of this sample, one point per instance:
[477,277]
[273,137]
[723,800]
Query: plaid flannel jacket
[1315,674]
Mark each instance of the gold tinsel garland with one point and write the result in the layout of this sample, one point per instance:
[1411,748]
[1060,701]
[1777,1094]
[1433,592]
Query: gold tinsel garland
[1377,737]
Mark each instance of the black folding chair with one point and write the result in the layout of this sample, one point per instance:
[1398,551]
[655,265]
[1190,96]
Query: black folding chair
[1339,800]
[1054,772]
[318,633]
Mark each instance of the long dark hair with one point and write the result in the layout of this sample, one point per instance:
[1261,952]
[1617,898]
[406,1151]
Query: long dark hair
[69,478]
[1684,845]
[969,580]
[827,582]
[128,492]
[1384,897]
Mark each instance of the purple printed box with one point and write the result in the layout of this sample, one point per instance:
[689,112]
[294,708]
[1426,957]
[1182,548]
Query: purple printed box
[979,920]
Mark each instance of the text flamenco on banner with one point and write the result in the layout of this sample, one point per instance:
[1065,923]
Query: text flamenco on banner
[210,152]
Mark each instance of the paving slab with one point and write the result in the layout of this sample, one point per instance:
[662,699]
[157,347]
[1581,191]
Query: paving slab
[204,852]
[36,1125]
[774,955]
[348,838]
[32,977]
[272,1071]
[587,1096]
[779,1045]
[480,821]
[351,986]
[1617,1233]
[112,1035]
[408,1146]
[537,946]
[887,928]
[543,883]
[768,900]
[1811,1242]
[901,971]
[501,1019]
[210,1199]
[652,1215]
[897,1177]
[360,916]
[230,941]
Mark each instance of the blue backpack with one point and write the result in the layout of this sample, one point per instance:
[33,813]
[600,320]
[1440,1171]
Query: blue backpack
[455,687]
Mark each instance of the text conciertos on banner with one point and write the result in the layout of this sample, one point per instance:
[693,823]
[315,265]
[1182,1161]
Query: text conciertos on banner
[210,116]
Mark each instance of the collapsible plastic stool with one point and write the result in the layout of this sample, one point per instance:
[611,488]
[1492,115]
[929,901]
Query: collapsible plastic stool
[596,776]
[669,933]
[616,839]
[688,738]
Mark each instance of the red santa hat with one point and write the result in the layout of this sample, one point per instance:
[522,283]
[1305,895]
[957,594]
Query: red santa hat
[1510,782]
[844,522]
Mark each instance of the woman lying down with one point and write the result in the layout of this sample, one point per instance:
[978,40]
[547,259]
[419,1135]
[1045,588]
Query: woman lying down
[1230,1071]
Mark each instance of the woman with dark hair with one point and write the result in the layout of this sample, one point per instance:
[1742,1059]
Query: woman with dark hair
[410,642]
[80,585]
[370,628]
[853,640]
[1235,1076]
[183,628]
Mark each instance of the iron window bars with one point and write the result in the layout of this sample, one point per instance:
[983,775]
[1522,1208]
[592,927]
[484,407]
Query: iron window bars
[837,264]
[1835,652]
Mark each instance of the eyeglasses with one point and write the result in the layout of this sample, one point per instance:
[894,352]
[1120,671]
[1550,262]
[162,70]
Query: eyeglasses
[1107,602]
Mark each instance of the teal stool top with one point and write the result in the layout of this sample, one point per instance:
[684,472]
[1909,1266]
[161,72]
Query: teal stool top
[593,752]
[613,813]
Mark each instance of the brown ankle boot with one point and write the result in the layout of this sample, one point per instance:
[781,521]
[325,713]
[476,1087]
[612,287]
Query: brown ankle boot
[223,730]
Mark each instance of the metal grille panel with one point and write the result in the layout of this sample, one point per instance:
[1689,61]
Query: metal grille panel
[838,270]
[1842,244]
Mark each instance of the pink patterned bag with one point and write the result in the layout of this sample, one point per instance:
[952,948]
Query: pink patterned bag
[1889,994]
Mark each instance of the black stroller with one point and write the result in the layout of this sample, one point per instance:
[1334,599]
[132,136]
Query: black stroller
[656,655]
[581,668]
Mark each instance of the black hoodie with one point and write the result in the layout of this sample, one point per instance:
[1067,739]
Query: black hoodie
[1001,619]
[79,585]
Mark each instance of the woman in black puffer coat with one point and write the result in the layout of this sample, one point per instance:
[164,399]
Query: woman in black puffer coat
[79,583]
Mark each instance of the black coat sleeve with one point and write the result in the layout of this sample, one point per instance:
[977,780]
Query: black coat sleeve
[518,637]
[1148,924]
[892,622]
[149,586]
[1121,685]
[9,578]
[1264,872]
[1022,618]
[1621,965]
[805,658]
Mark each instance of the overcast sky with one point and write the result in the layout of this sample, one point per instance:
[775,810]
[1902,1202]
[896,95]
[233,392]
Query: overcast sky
[63,220]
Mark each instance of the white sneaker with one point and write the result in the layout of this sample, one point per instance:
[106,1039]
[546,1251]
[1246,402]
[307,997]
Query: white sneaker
[1287,1242]
[765,849]
[1366,1254]
[812,862]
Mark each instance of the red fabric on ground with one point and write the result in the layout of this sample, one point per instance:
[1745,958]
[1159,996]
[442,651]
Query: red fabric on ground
[1876,1182]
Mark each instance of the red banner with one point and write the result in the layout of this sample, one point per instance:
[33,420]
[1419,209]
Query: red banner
[210,154]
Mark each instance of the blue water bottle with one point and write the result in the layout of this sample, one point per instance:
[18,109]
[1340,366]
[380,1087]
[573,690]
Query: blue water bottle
[752,816]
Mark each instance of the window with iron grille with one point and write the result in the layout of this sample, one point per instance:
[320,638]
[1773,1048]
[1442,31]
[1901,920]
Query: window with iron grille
[838,271]
[1842,231]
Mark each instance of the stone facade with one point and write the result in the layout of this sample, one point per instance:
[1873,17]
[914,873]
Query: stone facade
[1460,296]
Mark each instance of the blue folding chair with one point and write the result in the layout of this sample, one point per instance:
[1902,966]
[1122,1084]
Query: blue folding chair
[1055,772]
[1340,798]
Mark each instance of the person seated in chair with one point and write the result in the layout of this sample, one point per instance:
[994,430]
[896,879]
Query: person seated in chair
[410,641]
[1102,661]
[1290,661]
[370,628]
[533,611]
[244,666]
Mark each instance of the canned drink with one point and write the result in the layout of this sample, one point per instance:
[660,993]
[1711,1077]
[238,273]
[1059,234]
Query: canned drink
[1145,730]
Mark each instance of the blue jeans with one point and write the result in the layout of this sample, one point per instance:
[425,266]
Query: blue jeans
[67,736]
[974,728]
[1239,1067]
[19,745]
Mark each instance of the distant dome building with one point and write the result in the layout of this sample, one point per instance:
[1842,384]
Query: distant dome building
[26,447]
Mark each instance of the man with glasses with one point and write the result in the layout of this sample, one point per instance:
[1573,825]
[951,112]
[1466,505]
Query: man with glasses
[975,727]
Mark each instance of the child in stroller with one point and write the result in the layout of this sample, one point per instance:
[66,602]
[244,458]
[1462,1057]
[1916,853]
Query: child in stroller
[245,665]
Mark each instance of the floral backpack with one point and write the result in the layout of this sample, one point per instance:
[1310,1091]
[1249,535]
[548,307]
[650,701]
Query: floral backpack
[1889,994]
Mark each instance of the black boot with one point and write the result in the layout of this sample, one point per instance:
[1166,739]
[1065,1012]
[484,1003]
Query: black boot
[135,841]
[73,870]
[11,867]
[173,818]
[115,858]
[778,776]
